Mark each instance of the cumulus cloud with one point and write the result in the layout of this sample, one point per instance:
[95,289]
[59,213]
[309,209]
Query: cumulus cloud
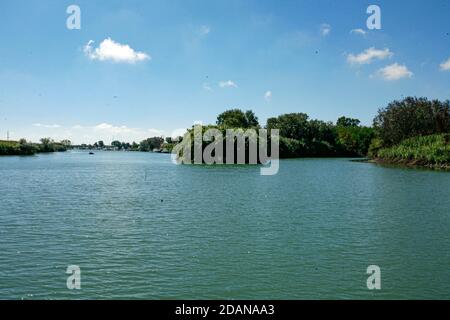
[109,50]
[325,29]
[369,55]
[111,128]
[155,132]
[445,66]
[180,132]
[395,72]
[358,31]
[48,126]
[268,95]
[227,84]
[89,133]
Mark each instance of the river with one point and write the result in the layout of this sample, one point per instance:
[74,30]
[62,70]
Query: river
[141,227]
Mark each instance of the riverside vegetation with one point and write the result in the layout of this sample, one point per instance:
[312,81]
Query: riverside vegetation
[23,147]
[413,131]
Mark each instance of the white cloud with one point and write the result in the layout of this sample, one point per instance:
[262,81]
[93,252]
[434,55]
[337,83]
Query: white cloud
[368,55]
[325,29]
[88,134]
[358,31]
[178,132]
[227,84]
[48,126]
[114,129]
[204,30]
[155,132]
[109,50]
[445,66]
[268,95]
[395,72]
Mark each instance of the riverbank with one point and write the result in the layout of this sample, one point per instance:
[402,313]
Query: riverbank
[424,152]
[25,148]
[432,151]
[413,164]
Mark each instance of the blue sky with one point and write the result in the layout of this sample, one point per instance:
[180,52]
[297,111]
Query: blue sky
[199,58]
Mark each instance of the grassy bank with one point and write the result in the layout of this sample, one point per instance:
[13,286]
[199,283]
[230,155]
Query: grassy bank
[431,151]
[24,148]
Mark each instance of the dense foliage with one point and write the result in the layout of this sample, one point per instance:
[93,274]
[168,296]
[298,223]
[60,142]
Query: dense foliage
[151,144]
[421,150]
[413,131]
[301,137]
[236,118]
[22,147]
[412,117]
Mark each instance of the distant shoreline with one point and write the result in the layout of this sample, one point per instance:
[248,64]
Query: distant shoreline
[413,164]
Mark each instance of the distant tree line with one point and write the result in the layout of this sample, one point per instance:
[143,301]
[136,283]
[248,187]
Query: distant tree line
[23,147]
[160,144]
[301,136]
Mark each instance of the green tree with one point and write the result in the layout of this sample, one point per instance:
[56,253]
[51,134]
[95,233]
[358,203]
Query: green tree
[151,143]
[117,144]
[236,118]
[347,122]
[47,145]
[291,125]
[412,117]
[251,119]
[126,145]
[355,140]
[66,143]
[26,148]
[134,146]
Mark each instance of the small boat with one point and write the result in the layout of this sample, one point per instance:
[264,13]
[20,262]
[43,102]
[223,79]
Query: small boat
[91,152]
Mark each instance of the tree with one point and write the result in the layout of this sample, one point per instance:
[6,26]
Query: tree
[101,144]
[26,148]
[291,125]
[347,122]
[47,145]
[66,143]
[236,118]
[117,144]
[134,146]
[252,119]
[355,139]
[412,117]
[126,145]
[321,131]
[151,143]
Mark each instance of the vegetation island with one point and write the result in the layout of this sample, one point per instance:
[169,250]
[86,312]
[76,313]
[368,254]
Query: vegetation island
[411,132]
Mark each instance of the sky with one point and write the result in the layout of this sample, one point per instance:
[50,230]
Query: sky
[137,69]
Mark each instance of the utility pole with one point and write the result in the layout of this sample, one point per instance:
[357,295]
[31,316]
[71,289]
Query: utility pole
[7,135]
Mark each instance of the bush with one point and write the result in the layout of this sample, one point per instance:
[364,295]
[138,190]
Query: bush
[412,117]
[432,149]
